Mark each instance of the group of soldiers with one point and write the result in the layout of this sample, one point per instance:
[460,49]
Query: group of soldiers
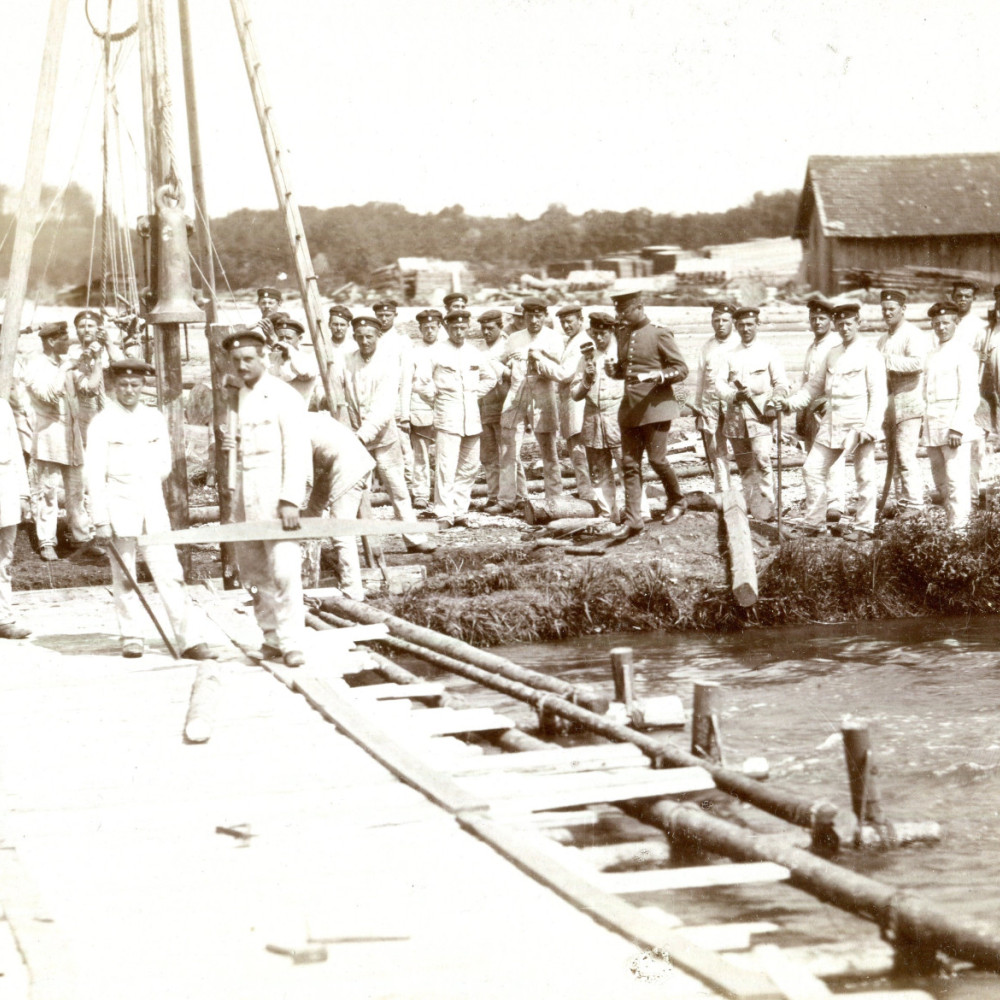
[426,415]
[939,386]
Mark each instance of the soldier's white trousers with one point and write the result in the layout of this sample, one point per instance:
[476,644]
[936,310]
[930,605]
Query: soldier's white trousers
[274,570]
[8,535]
[950,469]
[345,547]
[48,476]
[816,472]
[188,624]
[457,458]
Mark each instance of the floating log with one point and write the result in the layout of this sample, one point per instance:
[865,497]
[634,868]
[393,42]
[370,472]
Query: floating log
[456,650]
[914,927]
[741,560]
[889,835]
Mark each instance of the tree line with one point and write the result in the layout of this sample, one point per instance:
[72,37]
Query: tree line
[349,242]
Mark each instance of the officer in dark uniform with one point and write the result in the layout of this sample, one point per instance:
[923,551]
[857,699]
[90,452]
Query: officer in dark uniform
[650,363]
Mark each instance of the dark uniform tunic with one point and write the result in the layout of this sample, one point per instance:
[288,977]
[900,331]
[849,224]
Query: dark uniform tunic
[647,408]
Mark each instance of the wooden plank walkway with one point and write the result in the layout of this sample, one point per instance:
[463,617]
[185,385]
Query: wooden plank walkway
[150,868]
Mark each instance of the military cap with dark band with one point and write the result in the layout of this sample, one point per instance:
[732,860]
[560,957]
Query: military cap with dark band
[87,314]
[268,293]
[893,295]
[130,366]
[360,322]
[847,309]
[568,310]
[282,321]
[384,304]
[602,321]
[243,338]
[455,315]
[626,295]
[745,311]
[491,316]
[425,314]
[53,329]
[723,307]
[342,311]
[534,304]
[942,308]
[455,297]
[819,303]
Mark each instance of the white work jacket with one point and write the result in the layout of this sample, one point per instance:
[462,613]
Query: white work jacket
[369,390]
[459,377]
[570,409]
[853,381]
[905,351]
[128,457]
[339,461]
[422,410]
[273,448]
[711,358]
[54,388]
[601,399]
[951,392]
[759,368]
[299,370]
[400,346]
[13,472]
[532,394]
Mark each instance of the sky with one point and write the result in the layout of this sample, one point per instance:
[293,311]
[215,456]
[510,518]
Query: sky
[508,106]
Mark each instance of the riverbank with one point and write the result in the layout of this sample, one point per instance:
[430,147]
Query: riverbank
[499,588]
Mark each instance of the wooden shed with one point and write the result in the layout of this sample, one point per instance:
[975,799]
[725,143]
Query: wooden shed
[881,213]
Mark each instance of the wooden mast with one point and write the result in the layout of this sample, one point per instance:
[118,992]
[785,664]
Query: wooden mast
[308,283]
[175,304]
[27,211]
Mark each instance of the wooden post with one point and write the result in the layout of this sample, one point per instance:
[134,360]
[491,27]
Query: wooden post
[161,170]
[861,771]
[203,704]
[223,414]
[741,561]
[623,671]
[277,159]
[27,209]
[705,736]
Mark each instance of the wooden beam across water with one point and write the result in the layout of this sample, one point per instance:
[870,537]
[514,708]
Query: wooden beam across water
[273,531]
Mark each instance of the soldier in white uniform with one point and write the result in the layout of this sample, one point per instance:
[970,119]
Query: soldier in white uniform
[273,466]
[807,421]
[422,411]
[395,343]
[268,301]
[969,326]
[289,361]
[853,381]
[602,397]
[128,457]
[707,407]
[368,387]
[491,407]
[905,348]
[570,409]
[531,358]
[341,466]
[759,369]
[13,508]
[55,387]
[951,395]
[459,376]
[341,344]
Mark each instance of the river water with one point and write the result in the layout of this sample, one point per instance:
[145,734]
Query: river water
[931,690]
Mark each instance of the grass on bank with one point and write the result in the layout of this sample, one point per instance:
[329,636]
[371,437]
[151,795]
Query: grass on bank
[491,596]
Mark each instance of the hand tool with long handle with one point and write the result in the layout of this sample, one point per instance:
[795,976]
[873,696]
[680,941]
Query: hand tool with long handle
[113,549]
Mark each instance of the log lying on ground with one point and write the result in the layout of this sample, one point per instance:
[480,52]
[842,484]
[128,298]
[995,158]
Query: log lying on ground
[462,651]
[545,511]
[741,561]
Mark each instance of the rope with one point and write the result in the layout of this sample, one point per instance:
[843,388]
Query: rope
[108,36]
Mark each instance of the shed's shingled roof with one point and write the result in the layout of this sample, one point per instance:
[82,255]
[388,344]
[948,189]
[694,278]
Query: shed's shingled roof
[886,196]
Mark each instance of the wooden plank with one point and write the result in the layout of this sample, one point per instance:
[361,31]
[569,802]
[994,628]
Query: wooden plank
[558,760]
[541,792]
[741,559]
[794,981]
[372,737]
[619,916]
[272,531]
[727,937]
[388,692]
[694,877]
[442,721]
